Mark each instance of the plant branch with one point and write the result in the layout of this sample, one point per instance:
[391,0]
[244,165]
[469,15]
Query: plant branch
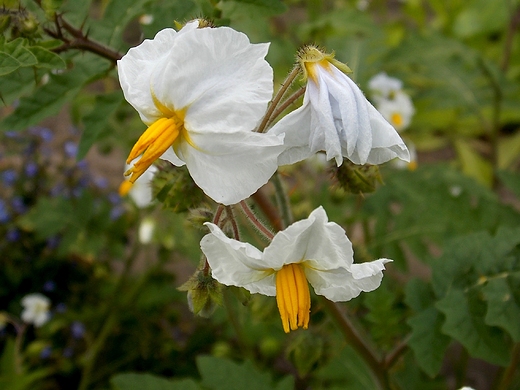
[396,353]
[268,209]
[508,47]
[76,39]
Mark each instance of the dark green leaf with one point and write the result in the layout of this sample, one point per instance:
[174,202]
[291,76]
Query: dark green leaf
[503,296]
[427,341]
[47,59]
[8,64]
[465,312]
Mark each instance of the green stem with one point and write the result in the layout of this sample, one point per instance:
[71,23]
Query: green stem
[286,84]
[355,341]
[282,200]
[290,100]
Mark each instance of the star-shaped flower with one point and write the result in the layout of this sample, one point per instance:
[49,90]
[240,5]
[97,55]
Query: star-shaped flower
[202,91]
[311,250]
[336,118]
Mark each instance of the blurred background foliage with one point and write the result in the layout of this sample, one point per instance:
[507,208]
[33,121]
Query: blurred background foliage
[448,311]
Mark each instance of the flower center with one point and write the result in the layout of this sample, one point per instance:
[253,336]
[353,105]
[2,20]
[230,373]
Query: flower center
[154,142]
[397,119]
[293,297]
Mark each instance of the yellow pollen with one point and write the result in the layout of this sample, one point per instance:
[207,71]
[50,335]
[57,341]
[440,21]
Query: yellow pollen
[125,187]
[397,119]
[154,142]
[293,297]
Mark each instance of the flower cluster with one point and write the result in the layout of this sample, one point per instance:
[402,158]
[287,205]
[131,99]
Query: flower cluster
[204,94]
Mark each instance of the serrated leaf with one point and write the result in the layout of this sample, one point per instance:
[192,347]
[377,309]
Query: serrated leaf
[96,121]
[465,313]
[503,297]
[132,381]
[223,374]
[49,98]
[427,341]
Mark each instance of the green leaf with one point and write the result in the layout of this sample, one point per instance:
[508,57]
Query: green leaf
[97,120]
[8,64]
[47,59]
[17,50]
[17,84]
[132,381]
[465,314]
[503,297]
[427,341]
[511,180]
[473,164]
[223,374]
[49,98]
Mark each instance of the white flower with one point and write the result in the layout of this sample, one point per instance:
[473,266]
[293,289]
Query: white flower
[146,229]
[398,110]
[202,91]
[140,191]
[383,86]
[312,250]
[36,309]
[337,118]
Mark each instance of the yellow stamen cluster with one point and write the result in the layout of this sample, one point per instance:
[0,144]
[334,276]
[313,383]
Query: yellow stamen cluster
[124,187]
[153,143]
[293,297]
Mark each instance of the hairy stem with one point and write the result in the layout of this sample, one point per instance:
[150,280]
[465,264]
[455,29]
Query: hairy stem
[251,217]
[286,84]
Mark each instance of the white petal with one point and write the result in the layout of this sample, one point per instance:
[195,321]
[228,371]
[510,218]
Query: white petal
[219,76]
[170,156]
[342,285]
[320,244]
[135,71]
[229,167]
[297,128]
[141,190]
[237,263]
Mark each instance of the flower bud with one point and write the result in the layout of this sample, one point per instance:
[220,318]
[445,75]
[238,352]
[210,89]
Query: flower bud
[204,293]
[357,178]
[174,187]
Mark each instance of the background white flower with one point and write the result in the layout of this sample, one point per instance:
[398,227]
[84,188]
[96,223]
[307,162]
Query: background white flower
[398,111]
[140,191]
[383,86]
[312,250]
[202,92]
[36,309]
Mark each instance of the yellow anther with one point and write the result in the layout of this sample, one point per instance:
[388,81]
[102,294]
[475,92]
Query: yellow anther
[396,119]
[293,297]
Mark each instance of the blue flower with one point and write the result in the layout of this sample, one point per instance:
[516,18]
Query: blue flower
[77,329]
[49,285]
[46,352]
[71,149]
[4,214]
[31,168]
[9,176]
[12,235]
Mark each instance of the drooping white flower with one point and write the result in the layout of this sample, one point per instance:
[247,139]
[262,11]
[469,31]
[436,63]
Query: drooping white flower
[398,111]
[383,86]
[202,91]
[311,250]
[337,118]
[36,309]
